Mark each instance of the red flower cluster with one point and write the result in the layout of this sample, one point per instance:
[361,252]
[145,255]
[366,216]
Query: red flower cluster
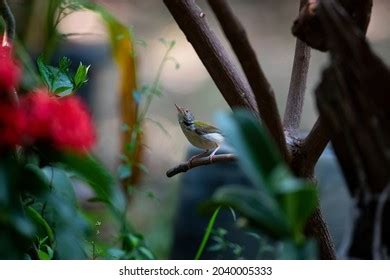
[62,123]
[40,118]
[12,124]
[9,70]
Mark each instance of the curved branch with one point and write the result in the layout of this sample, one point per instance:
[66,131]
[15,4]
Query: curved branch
[262,90]
[9,19]
[192,21]
[185,166]
[315,143]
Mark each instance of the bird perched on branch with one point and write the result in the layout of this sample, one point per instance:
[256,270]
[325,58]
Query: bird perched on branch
[200,134]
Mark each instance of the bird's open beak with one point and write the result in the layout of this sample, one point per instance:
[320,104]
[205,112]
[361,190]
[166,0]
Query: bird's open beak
[178,108]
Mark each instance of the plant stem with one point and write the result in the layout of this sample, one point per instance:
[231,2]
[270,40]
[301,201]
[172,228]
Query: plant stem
[155,84]
[9,19]
[207,234]
[296,94]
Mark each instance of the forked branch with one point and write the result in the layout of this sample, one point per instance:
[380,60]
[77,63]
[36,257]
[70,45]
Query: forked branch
[264,95]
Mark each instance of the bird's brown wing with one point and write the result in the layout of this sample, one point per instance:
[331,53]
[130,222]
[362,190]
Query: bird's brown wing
[203,128]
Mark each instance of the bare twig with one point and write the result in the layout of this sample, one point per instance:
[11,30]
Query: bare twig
[9,19]
[261,88]
[185,166]
[192,21]
[377,252]
[296,93]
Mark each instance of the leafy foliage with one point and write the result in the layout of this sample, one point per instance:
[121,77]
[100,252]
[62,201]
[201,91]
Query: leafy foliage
[280,204]
[60,80]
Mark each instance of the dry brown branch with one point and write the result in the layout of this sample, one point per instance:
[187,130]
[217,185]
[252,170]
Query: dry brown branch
[296,93]
[312,147]
[185,166]
[192,21]
[261,88]
[377,247]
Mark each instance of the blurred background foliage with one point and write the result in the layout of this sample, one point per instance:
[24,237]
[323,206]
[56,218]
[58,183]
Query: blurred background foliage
[117,69]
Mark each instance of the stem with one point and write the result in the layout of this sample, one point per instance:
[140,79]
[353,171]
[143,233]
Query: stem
[155,84]
[9,19]
[207,234]
[142,114]
[264,95]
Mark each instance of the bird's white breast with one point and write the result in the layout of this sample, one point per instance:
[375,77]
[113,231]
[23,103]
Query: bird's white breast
[215,137]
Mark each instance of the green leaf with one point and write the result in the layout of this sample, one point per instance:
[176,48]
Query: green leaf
[64,64]
[124,171]
[207,234]
[258,206]
[145,254]
[257,153]
[45,73]
[305,251]
[45,252]
[70,227]
[92,172]
[61,184]
[115,253]
[81,76]
[43,256]
[60,80]
[41,222]
[297,197]
[35,179]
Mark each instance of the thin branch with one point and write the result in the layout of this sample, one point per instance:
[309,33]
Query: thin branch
[192,21]
[377,235]
[314,144]
[9,19]
[185,166]
[296,93]
[264,95]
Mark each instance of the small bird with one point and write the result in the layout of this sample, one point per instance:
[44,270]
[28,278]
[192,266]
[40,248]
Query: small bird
[200,134]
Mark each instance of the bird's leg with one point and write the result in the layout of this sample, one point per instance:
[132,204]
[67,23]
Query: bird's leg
[213,153]
[197,156]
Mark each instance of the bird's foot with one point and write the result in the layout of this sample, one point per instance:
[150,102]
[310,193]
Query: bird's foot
[189,162]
